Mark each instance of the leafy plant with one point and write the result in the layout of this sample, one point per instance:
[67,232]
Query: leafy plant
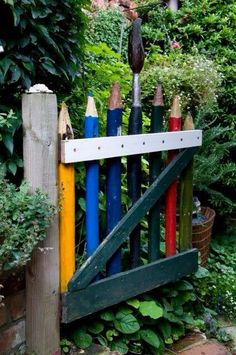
[145,324]
[9,160]
[38,46]
[216,285]
[110,27]
[24,220]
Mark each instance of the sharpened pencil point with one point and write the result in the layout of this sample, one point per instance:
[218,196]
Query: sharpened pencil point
[158,97]
[115,97]
[188,123]
[175,109]
[91,107]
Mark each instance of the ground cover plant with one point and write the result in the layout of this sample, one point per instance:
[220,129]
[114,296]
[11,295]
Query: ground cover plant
[217,286]
[142,325]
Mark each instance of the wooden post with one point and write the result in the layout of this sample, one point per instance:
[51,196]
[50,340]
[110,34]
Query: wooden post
[40,151]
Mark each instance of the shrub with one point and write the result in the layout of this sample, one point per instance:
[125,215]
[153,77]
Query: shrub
[24,219]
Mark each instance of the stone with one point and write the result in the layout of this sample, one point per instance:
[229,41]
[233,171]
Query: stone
[209,348]
[16,305]
[4,315]
[12,337]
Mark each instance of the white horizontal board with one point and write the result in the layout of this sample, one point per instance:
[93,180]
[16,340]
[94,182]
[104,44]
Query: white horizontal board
[87,149]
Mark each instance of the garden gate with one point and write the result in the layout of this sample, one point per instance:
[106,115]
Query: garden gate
[86,294]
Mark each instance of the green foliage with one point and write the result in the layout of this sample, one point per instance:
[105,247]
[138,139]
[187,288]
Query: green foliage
[24,219]
[144,324]
[110,27]
[216,285]
[213,166]
[204,28]
[42,42]
[102,66]
[193,77]
[9,160]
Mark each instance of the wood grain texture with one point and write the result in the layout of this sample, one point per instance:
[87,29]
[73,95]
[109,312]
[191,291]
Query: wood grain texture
[119,234]
[125,285]
[40,149]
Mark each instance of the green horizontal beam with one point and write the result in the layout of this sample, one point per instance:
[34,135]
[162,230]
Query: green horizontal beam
[122,286]
[96,262]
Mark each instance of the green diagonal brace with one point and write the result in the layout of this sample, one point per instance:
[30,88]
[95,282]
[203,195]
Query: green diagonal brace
[96,262]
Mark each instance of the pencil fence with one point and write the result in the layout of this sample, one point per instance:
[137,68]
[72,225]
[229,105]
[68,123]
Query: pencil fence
[102,280]
[104,256]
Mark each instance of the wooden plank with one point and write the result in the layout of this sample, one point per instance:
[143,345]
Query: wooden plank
[78,150]
[127,284]
[40,145]
[95,263]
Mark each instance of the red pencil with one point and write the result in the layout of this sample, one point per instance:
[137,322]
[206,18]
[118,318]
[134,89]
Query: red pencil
[171,194]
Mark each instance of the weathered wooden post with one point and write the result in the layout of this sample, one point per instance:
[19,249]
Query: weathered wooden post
[39,111]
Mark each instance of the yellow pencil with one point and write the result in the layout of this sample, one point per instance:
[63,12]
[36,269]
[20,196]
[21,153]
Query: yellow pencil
[66,180]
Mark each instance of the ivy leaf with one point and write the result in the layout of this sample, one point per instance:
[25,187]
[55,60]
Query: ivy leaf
[150,337]
[150,309]
[12,167]
[50,68]
[82,339]
[126,323]
[8,142]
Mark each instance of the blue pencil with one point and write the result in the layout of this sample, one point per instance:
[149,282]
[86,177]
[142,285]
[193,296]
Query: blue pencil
[91,182]
[113,193]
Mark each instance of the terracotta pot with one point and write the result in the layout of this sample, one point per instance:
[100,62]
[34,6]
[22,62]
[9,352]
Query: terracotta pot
[201,234]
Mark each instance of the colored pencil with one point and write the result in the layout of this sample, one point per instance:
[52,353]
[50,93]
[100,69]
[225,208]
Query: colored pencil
[113,192]
[171,194]
[66,181]
[92,182]
[155,170]
[186,198]
[136,58]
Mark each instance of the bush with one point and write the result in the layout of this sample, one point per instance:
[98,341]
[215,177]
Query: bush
[24,219]
[39,46]
[216,287]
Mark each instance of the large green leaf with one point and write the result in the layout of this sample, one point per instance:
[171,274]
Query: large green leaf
[120,346]
[82,339]
[150,309]
[126,323]
[150,337]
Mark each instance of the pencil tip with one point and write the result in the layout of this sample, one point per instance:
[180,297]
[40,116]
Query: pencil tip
[188,123]
[158,97]
[115,97]
[91,107]
[65,129]
[175,109]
